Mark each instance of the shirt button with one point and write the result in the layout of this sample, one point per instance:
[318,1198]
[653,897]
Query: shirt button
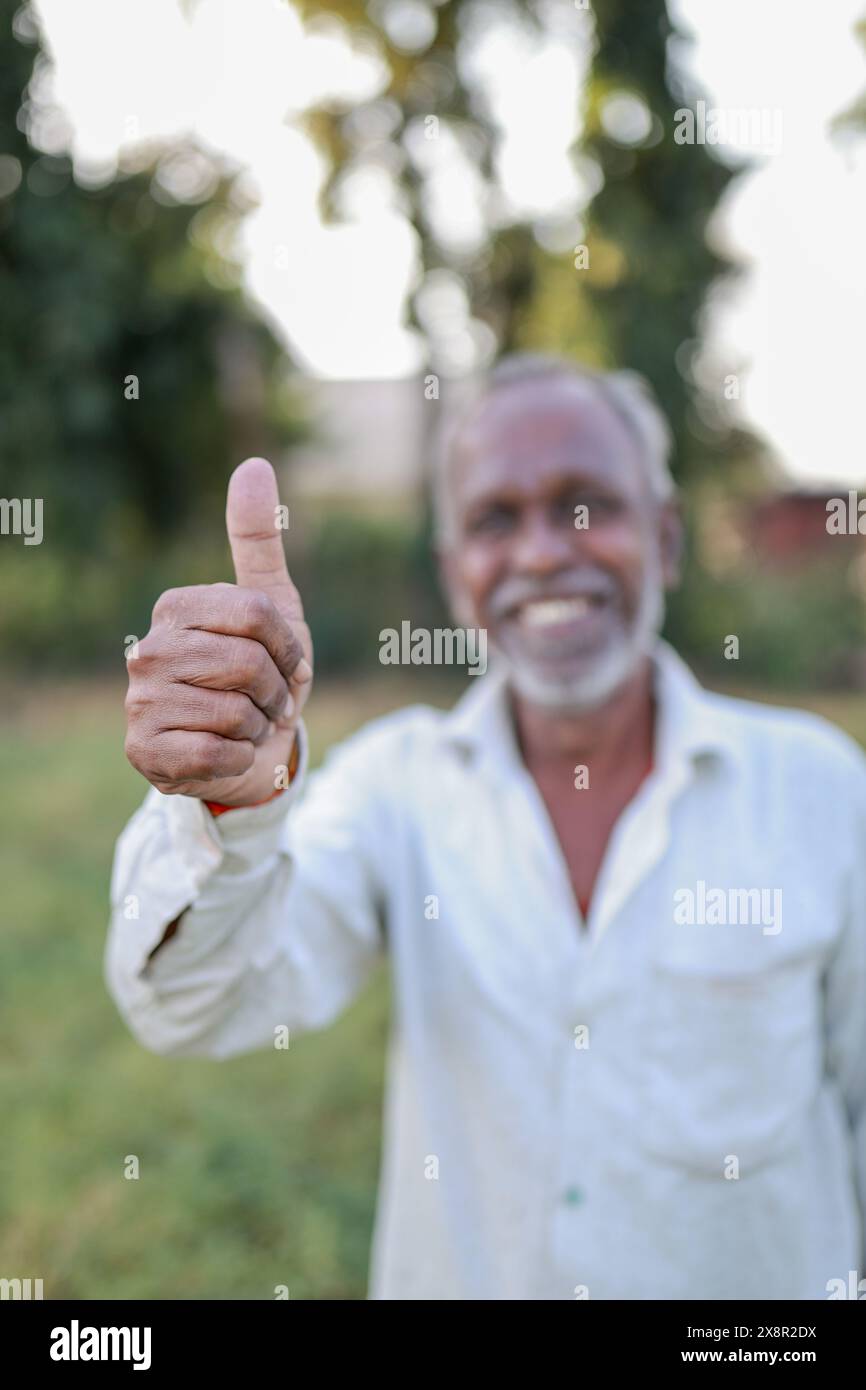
[572,1196]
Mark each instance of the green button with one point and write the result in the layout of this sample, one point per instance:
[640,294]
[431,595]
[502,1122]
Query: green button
[573,1196]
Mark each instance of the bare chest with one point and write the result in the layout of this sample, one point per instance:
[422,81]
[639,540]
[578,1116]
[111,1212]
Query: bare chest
[583,821]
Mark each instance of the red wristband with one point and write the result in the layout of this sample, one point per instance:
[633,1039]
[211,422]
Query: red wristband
[216,808]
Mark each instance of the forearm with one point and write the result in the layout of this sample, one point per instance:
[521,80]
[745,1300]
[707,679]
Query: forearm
[216,809]
[225,928]
[190,900]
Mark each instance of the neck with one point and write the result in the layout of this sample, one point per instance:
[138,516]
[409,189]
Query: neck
[610,735]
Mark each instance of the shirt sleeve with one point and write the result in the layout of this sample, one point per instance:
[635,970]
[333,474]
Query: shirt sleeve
[846,1013]
[282,911]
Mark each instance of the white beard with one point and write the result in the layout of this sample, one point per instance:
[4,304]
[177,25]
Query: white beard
[611,669]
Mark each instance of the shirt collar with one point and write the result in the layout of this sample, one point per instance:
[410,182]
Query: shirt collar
[692,723]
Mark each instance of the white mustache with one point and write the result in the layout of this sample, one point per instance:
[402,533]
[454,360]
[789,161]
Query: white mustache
[513,592]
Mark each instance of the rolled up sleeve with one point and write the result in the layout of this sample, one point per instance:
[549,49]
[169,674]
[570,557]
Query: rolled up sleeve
[280,906]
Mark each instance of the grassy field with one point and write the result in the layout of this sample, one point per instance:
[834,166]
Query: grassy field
[255,1172]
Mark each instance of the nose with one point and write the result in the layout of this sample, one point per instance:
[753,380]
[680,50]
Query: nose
[540,546]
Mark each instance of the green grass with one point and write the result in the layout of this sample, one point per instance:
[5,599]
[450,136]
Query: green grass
[254,1172]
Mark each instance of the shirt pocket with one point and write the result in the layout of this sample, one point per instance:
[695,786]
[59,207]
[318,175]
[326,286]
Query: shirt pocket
[731,1064]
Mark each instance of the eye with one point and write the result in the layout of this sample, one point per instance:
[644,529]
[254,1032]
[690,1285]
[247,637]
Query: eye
[599,504]
[490,520]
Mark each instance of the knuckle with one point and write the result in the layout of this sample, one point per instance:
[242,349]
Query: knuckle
[237,721]
[135,753]
[245,664]
[262,665]
[258,608]
[277,702]
[135,705]
[150,652]
[297,648]
[294,651]
[200,757]
[222,599]
[177,606]
[167,603]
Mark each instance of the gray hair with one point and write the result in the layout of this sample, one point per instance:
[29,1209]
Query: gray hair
[627,393]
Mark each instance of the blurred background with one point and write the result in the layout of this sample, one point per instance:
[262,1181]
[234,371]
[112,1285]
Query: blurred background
[234,227]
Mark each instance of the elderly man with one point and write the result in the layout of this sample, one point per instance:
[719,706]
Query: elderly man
[626,917]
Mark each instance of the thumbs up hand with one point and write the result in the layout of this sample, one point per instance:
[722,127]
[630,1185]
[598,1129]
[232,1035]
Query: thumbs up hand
[218,684]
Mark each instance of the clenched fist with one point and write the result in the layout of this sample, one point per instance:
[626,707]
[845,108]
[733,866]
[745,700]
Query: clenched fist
[218,684]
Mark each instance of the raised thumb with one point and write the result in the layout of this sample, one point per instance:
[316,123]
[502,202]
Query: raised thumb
[253,516]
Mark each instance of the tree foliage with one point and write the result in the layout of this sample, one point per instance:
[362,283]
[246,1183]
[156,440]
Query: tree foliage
[639,299]
[102,285]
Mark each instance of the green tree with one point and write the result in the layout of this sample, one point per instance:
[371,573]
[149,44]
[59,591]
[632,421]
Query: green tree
[648,224]
[638,302]
[110,294]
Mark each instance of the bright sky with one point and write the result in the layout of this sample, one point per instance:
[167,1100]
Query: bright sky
[238,74]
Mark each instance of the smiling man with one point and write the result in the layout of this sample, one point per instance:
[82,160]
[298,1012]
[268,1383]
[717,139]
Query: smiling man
[590,1094]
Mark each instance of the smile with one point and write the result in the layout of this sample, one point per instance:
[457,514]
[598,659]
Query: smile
[551,612]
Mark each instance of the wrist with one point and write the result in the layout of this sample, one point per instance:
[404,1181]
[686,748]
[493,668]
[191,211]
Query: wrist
[218,808]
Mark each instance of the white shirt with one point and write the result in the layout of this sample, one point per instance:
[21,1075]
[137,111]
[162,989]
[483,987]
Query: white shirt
[641,1109]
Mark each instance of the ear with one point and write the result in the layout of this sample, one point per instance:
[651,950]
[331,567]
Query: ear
[671,540]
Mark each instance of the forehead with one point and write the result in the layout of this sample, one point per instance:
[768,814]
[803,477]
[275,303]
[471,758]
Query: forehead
[534,435]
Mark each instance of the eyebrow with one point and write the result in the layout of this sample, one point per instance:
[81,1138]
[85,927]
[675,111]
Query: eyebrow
[509,491]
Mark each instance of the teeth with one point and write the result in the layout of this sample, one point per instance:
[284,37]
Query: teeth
[546,612]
